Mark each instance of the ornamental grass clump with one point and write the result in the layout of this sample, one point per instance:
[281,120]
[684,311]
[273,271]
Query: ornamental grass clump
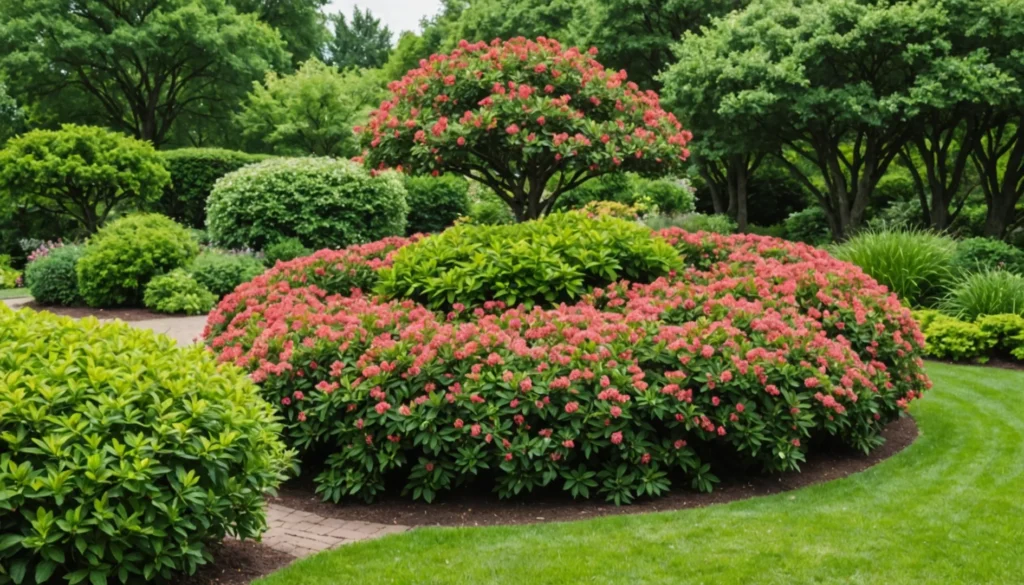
[991,292]
[751,351]
[122,456]
[916,265]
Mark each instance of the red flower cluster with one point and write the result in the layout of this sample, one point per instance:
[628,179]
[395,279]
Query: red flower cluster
[759,347]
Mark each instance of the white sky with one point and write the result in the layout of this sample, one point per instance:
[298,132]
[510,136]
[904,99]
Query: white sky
[399,15]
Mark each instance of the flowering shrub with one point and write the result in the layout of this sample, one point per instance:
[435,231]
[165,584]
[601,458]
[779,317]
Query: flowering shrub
[755,351]
[511,110]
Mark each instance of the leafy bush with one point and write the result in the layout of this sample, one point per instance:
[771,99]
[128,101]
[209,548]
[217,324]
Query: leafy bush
[124,456]
[915,265]
[486,208]
[1007,331]
[950,338]
[52,279]
[284,250]
[665,195]
[693,222]
[178,292]
[611,208]
[809,226]
[981,254]
[435,202]
[616,187]
[550,260]
[194,171]
[323,202]
[120,260]
[220,271]
[985,293]
[750,355]
[9,277]
[81,173]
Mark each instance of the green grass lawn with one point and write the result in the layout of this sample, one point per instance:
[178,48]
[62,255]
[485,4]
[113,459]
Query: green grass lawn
[14,293]
[948,510]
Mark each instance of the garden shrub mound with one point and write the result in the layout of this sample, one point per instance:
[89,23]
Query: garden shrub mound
[121,456]
[52,278]
[220,271]
[323,202]
[753,352]
[556,259]
[194,172]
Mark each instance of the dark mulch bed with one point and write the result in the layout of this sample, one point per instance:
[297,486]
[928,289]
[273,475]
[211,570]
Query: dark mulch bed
[238,563]
[480,507]
[124,314]
[995,362]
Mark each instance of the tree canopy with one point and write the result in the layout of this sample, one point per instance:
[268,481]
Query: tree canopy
[301,23]
[362,42]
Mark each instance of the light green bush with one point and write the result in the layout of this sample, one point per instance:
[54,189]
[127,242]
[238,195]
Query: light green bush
[178,292]
[950,338]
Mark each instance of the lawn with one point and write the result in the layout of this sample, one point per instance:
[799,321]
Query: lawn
[948,510]
[14,293]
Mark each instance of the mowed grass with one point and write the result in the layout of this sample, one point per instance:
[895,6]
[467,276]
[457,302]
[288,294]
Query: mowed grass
[948,510]
[14,293]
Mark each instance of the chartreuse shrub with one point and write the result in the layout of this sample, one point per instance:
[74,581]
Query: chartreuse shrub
[985,293]
[122,457]
[9,277]
[220,271]
[950,338]
[435,202]
[323,202]
[1007,331]
[984,254]
[178,292]
[121,259]
[751,352]
[554,259]
[915,265]
[194,171]
[53,279]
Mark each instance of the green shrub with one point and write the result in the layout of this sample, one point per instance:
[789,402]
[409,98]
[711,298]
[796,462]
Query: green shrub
[950,338]
[899,215]
[323,202]
[1007,331]
[120,260]
[194,171]
[663,195]
[284,250]
[124,457]
[178,292]
[9,277]
[435,202]
[981,254]
[487,208]
[611,187]
[220,271]
[53,279]
[809,226]
[693,222]
[992,292]
[915,265]
[546,261]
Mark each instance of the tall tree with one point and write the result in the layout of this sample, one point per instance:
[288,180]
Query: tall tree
[11,116]
[486,20]
[364,42]
[140,63]
[301,23]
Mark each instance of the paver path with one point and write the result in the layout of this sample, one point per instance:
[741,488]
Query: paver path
[185,330]
[301,533]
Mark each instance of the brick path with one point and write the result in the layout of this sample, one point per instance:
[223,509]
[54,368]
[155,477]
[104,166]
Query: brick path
[301,533]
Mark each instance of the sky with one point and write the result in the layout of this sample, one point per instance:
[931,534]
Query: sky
[399,15]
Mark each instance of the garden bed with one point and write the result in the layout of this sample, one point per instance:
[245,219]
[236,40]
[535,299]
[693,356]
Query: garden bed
[479,507]
[239,563]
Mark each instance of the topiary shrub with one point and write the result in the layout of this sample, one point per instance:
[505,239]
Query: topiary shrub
[751,354]
[178,292]
[435,202]
[124,457]
[992,292]
[194,171]
[323,202]
[284,250]
[53,279]
[554,259]
[220,271]
[913,264]
[119,261]
[982,254]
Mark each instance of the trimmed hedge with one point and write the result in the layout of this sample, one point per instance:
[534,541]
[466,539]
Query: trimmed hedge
[122,456]
[323,202]
[194,171]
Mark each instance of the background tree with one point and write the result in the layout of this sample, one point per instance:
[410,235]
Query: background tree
[514,115]
[364,42]
[486,20]
[311,111]
[301,23]
[80,172]
[11,117]
[136,65]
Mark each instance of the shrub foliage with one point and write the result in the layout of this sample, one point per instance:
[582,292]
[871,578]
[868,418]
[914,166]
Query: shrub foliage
[194,171]
[178,292]
[53,279]
[220,271]
[915,265]
[435,202]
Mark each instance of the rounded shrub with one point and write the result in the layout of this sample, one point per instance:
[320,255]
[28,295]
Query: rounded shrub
[194,171]
[120,260]
[284,250]
[124,457]
[751,352]
[809,226]
[220,271]
[666,196]
[53,279]
[486,208]
[435,202]
[323,202]
[554,259]
[178,292]
[992,292]
[915,265]
[981,254]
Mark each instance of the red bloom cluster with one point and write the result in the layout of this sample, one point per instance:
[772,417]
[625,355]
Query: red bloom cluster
[759,347]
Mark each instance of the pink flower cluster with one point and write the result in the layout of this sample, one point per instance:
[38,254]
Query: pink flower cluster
[759,347]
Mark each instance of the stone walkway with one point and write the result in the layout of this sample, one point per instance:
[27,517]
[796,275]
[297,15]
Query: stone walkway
[301,533]
[184,330]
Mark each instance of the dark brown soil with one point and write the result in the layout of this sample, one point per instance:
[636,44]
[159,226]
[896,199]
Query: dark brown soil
[124,314]
[995,362]
[238,563]
[481,507]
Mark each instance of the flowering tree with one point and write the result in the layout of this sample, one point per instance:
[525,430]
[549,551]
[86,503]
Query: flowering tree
[529,119]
